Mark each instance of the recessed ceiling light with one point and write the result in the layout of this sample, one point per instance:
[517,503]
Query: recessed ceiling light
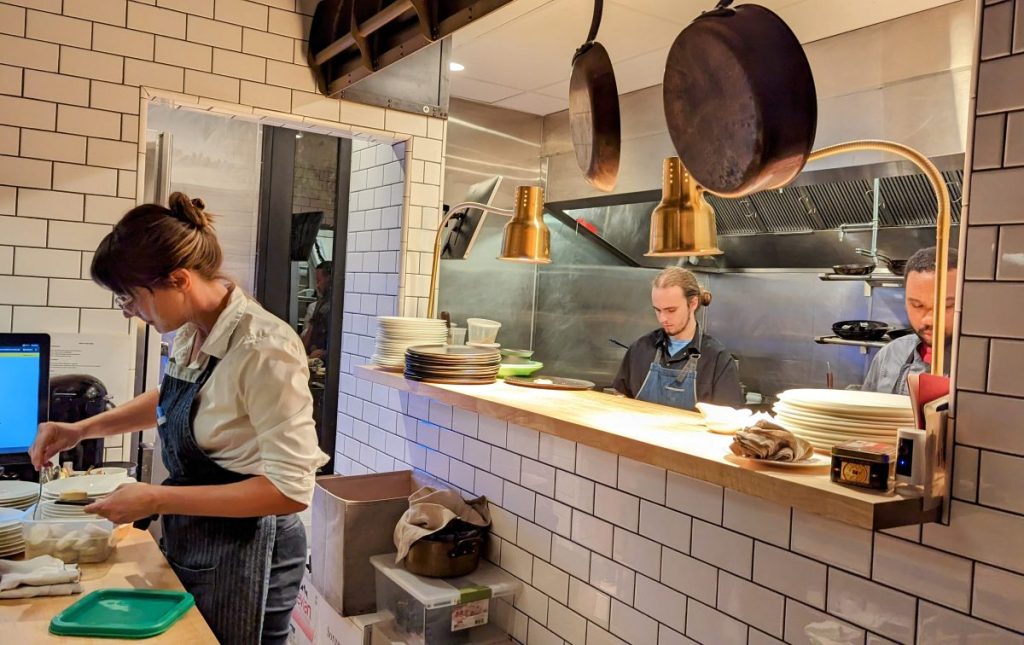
[456,67]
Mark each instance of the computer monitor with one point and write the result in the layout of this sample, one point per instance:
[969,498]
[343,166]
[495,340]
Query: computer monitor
[24,390]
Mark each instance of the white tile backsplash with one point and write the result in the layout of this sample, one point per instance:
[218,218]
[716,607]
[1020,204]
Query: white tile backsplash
[554,516]
[877,608]
[792,575]
[570,557]
[922,571]
[567,624]
[617,507]
[612,578]
[592,533]
[665,526]
[516,561]
[937,624]
[706,625]
[807,626]
[661,603]
[970,534]
[751,603]
[833,542]
[598,465]
[636,552]
[722,548]
[492,430]
[524,441]
[574,491]
[534,538]
[757,518]
[1000,482]
[642,479]
[695,497]
[999,597]
[590,603]
[519,500]
[558,452]
[692,577]
[551,580]
[538,477]
[631,625]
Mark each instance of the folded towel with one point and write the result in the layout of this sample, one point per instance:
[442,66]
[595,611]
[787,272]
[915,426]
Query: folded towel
[41,576]
[47,590]
[430,510]
[769,441]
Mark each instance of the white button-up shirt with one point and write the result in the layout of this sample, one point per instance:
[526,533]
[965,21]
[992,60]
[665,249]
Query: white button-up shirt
[255,413]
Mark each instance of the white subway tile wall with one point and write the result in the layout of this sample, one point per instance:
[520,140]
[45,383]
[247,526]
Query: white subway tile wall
[72,79]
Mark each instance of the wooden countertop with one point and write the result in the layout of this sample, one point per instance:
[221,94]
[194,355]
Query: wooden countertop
[136,563]
[676,440]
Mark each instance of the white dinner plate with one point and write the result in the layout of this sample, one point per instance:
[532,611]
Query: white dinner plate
[92,485]
[847,401]
[825,428]
[12,489]
[817,415]
[814,461]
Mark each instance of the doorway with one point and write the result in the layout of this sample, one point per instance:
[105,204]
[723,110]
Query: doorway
[300,254]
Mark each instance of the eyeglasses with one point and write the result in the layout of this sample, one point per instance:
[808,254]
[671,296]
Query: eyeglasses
[124,301]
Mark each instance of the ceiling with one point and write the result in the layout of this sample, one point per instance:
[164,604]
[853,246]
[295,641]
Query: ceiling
[519,57]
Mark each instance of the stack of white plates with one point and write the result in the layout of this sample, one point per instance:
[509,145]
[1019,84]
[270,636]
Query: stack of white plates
[827,417]
[53,511]
[395,334]
[96,486]
[11,540]
[18,494]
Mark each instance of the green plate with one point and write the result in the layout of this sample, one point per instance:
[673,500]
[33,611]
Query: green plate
[123,613]
[519,369]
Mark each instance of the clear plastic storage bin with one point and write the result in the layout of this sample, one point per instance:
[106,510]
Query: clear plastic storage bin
[445,611]
[83,541]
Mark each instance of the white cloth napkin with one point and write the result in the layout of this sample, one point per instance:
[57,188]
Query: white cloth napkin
[430,510]
[41,576]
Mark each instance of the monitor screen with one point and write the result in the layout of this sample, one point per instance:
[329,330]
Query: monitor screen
[24,389]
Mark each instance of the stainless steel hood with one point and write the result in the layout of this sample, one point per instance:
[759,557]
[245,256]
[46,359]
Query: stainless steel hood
[816,221]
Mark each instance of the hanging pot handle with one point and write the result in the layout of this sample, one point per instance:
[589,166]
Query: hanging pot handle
[595,23]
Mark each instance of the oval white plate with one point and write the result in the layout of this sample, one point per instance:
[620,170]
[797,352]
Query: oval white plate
[814,461]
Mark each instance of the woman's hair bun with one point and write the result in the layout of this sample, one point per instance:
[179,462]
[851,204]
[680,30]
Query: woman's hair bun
[705,297]
[189,211]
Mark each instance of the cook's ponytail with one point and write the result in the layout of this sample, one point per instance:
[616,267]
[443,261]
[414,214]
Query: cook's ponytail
[189,211]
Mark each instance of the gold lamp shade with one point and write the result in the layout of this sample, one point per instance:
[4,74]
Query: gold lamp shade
[683,223]
[527,238]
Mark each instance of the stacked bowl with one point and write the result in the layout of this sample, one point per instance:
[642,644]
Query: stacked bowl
[453,364]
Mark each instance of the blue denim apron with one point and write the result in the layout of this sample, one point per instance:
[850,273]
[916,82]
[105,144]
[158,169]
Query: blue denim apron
[667,386]
[244,572]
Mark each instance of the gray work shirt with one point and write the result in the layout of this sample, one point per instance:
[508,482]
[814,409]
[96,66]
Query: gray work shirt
[894,363]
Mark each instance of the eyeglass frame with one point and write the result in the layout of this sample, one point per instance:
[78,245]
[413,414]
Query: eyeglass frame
[124,301]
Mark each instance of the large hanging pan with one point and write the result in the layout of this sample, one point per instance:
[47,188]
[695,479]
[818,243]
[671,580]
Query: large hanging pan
[739,100]
[594,110]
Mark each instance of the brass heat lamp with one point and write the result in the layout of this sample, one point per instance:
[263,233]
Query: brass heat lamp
[526,238]
[684,222]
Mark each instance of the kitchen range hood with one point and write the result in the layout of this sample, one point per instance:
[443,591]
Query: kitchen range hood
[816,221]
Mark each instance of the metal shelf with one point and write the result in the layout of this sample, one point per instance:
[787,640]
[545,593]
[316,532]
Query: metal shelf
[873,279]
[836,340]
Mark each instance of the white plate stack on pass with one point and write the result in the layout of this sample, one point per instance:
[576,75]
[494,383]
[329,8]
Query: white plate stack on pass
[95,486]
[395,334]
[11,540]
[827,417]
[18,494]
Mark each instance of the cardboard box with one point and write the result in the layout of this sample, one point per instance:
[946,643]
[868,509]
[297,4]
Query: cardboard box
[305,615]
[354,518]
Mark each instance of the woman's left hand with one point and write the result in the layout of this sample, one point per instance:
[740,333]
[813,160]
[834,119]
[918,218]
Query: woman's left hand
[126,504]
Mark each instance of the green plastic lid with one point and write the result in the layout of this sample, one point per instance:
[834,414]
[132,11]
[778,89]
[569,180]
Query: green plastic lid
[123,613]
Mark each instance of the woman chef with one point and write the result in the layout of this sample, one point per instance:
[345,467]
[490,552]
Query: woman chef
[234,414]
[678,364]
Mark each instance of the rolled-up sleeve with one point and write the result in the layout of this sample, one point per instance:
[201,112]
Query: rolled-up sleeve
[274,383]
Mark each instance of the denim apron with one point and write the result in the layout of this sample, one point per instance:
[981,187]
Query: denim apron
[244,572]
[667,386]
